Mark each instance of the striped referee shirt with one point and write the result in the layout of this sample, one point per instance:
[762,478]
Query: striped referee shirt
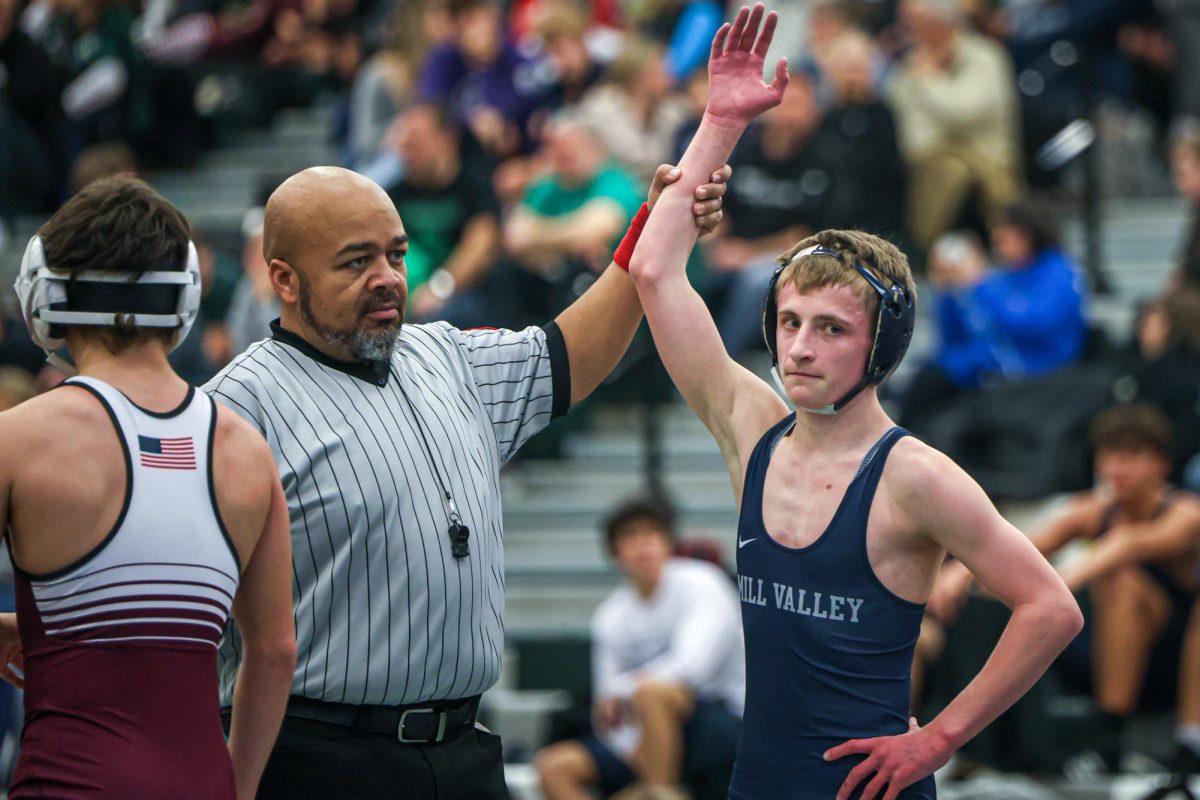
[385,615]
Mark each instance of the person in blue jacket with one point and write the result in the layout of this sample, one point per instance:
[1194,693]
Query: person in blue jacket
[1018,320]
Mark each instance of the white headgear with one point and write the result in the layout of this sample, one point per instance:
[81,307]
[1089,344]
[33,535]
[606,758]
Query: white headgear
[44,305]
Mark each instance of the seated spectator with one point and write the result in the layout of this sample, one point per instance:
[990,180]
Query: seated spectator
[1102,59]
[109,94]
[568,222]
[1140,568]
[563,30]
[573,56]
[100,160]
[380,92]
[1022,319]
[33,161]
[16,347]
[1186,760]
[1165,373]
[1185,167]
[450,215]
[668,671]
[525,16]
[828,22]
[219,279]
[254,305]
[488,82]
[635,111]
[16,386]
[868,190]
[955,105]
[783,172]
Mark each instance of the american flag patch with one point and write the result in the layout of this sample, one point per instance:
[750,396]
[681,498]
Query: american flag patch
[175,453]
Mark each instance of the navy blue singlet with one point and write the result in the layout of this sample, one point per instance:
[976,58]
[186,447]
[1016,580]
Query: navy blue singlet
[828,648]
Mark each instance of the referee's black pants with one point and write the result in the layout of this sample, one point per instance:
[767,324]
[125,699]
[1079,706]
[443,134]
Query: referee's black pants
[333,762]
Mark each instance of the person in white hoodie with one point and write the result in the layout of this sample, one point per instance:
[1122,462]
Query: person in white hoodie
[668,669]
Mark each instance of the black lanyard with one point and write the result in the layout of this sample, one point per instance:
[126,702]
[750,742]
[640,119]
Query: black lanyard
[458,532]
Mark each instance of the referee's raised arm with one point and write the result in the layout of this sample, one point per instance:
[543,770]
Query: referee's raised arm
[599,326]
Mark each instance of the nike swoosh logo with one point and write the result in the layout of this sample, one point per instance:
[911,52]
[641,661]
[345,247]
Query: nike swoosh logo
[743,542]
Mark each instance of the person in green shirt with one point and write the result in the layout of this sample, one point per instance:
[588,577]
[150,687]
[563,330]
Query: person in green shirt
[451,216]
[566,225]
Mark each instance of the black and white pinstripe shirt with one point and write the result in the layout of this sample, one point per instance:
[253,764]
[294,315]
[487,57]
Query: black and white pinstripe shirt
[384,613]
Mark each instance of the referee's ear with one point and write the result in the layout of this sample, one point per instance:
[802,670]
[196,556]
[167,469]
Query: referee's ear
[286,281]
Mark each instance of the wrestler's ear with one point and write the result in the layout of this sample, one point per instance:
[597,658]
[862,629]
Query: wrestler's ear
[286,281]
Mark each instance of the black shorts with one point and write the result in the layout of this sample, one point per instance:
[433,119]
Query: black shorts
[1160,684]
[710,738]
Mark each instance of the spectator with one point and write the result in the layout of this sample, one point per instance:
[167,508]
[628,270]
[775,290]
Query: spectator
[868,190]
[635,111]
[488,82]
[109,96]
[254,304]
[568,222]
[451,217]
[695,96]
[16,386]
[956,108]
[563,31]
[1185,167]
[386,86]
[101,160]
[1186,760]
[1140,569]
[16,348]
[1183,23]
[525,16]
[219,278]
[1022,319]
[667,665]
[783,172]
[1050,41]
[34,160]
[828,22]
[1166,373]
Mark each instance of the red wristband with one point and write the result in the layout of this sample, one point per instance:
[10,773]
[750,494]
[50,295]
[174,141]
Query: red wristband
[624,250]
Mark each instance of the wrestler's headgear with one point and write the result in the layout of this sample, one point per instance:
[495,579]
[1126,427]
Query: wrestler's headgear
[893,324]
[51,299]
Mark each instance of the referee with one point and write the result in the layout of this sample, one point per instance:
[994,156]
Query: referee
[389,440]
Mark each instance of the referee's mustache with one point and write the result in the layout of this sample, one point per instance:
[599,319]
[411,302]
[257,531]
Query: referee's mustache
[383,300]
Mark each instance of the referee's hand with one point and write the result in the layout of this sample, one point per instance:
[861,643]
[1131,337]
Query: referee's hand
[707,208]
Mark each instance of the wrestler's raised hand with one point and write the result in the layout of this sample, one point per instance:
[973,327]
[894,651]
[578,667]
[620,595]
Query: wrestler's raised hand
[736,91]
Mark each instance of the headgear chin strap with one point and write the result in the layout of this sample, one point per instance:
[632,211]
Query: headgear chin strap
[52,299]
[893,324]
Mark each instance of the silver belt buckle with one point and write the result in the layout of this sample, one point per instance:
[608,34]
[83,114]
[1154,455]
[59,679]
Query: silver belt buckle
[441,731]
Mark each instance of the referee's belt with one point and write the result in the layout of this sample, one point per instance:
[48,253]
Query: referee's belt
[424,723]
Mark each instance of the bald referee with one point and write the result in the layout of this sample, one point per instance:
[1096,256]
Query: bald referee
[389,440]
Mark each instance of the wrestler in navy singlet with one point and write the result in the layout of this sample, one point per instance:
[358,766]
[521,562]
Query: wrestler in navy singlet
[828,648]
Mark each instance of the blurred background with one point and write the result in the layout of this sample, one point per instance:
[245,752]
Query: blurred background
[1038,160]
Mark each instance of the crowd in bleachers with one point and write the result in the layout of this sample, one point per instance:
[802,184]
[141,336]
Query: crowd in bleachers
[912,119]
[517,140]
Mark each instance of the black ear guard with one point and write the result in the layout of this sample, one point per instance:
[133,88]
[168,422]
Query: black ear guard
[893,325]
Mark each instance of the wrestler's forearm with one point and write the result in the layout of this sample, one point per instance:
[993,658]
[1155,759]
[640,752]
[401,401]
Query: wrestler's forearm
[1035,635]
[670,232]
[258,708]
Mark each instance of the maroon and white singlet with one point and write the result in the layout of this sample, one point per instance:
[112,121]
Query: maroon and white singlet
[121,646]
